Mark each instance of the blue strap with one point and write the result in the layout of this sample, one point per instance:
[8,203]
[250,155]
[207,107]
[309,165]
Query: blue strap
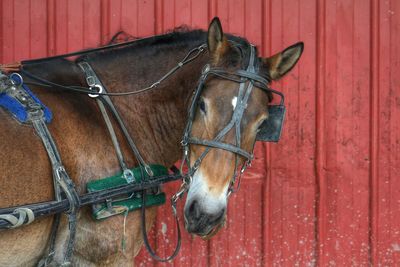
[17,109]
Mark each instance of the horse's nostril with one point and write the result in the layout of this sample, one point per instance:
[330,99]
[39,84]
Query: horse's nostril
[194,210]
[192,206]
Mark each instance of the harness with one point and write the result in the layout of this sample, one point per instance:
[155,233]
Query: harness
[14,88]
[131,183]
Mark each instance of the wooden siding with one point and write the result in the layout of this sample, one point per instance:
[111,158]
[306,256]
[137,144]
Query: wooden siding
[329,193]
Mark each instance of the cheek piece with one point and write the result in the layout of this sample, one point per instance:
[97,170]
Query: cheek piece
[269,131]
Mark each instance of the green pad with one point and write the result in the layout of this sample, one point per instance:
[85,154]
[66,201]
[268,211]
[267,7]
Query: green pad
[128,202]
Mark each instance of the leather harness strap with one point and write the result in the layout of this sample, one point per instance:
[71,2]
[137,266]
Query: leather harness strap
[94,83]
[62,181]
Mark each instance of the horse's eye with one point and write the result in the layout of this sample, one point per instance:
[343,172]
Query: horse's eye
[202,105]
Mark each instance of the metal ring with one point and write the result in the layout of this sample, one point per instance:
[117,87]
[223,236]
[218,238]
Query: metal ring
[128,175]
[148,170]
[205,69]
[21,80]
[99,91]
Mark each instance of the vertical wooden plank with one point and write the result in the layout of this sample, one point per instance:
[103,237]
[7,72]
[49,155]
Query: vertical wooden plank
[218,247]
[129,17]
[105,21]
[291,191]
[346,189]
[3,22]
[61,39]
[386,197]
[183,8]
[267,207]
[199,14]
[328,216]
[277,163]
[253,22]
[306,132]
[91,24]
[234,235]
[212,9]
[222,11]
[236,17]
[359,128]
[75,28]
[159,16]
[291,162]
[374,133]
[253,183]
[38,29]
[21,29]
[51,27]
[199,254]
[168,7]
[321,179]
[252,189]
[146,18]
[394,152]
[253,179]
[343,145]
[115,17]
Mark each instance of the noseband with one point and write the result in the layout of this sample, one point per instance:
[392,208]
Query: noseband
[246,78]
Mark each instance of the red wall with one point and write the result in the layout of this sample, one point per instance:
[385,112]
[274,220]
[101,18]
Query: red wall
[329,193]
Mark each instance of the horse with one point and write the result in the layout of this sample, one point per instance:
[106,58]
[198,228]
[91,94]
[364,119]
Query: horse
[155,119]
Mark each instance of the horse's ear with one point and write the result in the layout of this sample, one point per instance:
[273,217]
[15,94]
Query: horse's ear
[280,64]
[217,43]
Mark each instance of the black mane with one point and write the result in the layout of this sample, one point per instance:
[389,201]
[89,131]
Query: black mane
[154,43]
[180,36]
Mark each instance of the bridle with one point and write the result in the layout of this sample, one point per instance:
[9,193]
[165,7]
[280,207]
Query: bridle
[246,78]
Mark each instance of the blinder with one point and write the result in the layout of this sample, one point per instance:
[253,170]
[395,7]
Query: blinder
[271,129]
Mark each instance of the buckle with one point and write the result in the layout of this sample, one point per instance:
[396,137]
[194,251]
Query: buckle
[91,81]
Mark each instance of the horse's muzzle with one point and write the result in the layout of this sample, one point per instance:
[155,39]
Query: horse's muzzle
[200,222]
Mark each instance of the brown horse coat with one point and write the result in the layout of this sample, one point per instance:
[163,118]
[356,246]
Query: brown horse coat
[155,121]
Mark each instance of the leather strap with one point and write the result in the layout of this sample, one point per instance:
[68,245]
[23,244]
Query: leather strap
[94,82]
[96,85]
[220,145]
[146,240]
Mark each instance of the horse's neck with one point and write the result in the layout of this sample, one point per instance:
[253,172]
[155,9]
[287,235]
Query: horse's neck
[155,119]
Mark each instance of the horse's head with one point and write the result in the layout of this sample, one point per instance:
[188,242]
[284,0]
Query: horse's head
[215,109]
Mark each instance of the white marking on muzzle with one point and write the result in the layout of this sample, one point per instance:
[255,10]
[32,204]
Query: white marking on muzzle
[208,202]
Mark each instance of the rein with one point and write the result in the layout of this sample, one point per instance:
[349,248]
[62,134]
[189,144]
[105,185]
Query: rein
[190,56]
[49,208]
